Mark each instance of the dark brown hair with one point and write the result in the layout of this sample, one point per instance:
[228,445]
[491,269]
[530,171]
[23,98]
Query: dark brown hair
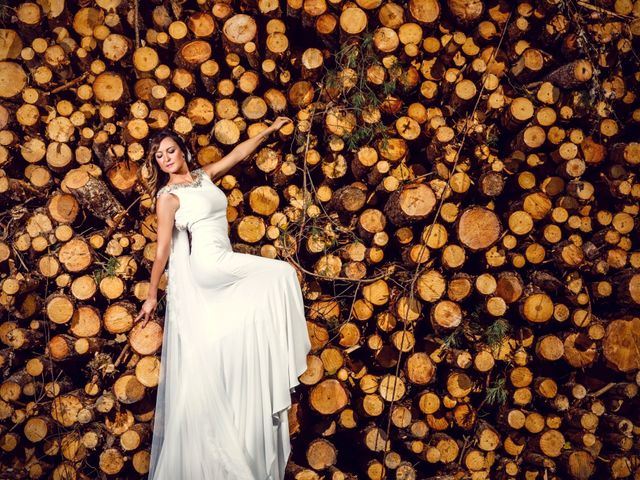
[150,175]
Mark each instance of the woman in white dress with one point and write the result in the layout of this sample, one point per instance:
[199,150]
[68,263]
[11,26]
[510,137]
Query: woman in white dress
[235,335]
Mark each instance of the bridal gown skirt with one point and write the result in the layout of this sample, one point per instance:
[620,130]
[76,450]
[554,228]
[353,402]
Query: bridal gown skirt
[235,343]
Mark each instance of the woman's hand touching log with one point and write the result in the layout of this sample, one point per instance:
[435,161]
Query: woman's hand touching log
[148,308]
[279,122]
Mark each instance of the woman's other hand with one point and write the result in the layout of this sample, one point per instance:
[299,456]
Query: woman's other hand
[279,122]
[148,307]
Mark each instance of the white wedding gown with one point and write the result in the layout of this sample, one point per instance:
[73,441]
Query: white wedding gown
[235,342]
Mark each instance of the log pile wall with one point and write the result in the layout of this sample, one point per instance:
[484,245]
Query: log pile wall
[459,192]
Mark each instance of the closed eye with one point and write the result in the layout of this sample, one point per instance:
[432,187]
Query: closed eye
[171,150]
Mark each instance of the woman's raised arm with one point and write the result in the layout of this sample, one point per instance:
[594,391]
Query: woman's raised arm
[242,150]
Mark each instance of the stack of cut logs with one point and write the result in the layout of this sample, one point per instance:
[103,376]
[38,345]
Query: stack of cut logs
[459,191]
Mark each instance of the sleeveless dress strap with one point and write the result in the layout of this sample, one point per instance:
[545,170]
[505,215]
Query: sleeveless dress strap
[197,175]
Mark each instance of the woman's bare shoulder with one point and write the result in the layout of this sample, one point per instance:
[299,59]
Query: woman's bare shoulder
[167,200]
[161,191]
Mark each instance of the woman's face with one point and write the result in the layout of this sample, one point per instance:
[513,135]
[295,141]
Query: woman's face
[169,156]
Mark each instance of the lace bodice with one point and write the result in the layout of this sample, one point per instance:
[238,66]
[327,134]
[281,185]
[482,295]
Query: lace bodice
[197,176]
[202,211]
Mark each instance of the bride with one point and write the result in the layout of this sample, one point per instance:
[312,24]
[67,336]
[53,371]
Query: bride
[235,337]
